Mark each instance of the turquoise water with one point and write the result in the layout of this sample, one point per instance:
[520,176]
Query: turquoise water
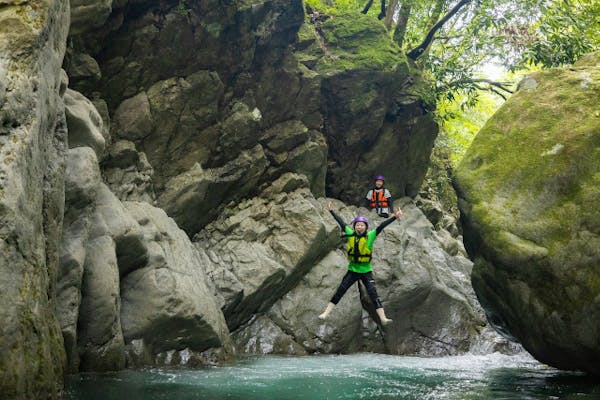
[362,376]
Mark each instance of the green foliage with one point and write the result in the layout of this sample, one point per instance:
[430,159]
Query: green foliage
[460,122]
[183,8]
[515,33]
[473,37]
[566,31]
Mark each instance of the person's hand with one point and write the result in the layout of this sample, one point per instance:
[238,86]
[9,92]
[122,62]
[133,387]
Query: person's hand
[398,213]
[330,206]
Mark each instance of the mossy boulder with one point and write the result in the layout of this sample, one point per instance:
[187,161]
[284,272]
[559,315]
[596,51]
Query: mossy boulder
[528,192]
[375,118]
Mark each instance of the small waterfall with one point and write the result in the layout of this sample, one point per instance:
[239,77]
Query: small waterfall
[490,341]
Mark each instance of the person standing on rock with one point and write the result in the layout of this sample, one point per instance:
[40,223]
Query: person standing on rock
[379,198]
[359,249]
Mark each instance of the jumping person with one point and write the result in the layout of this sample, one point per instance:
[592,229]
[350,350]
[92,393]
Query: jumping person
[379,198]
[359,249]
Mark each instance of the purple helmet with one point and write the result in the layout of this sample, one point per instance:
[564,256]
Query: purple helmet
[380,178]
[360,219]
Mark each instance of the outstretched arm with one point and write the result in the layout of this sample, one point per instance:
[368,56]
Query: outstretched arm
[388,221]
[339,219]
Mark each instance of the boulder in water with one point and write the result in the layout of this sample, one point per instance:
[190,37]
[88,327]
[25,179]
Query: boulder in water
[528,192]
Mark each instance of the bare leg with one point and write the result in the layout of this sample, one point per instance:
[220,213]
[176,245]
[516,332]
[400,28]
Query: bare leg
[325,313]
[384,320]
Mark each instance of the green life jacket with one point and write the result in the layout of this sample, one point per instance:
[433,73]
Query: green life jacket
[357,249]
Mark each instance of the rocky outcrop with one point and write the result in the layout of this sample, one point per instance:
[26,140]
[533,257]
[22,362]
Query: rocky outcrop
[375,126]
[528,191]
[228,121]
[260,249]
[130,281]
[203,122]
[165,300]
[423,289]
[375,118]
[84,123]
[32,150]
[220,123]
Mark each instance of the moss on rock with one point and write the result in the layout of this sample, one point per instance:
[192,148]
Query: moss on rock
[528,189]
[348,40]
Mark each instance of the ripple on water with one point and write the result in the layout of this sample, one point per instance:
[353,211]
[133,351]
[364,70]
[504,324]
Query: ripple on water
[360,376]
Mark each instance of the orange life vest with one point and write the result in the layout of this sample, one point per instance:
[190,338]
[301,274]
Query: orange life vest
[378,198]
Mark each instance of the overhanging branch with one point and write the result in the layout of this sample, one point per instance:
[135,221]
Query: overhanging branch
[499,88]
[419,50]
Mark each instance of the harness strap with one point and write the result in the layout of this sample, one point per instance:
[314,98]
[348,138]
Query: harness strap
[378,197]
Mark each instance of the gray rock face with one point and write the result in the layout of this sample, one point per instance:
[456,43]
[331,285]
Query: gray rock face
[262,247]
[209,122]
[128,274]
[424,290]
[128,173]
[32,151]
[81,189]
[100,339]
[83,122]
[373,127]
[166,301]
[88,14]
[88,282]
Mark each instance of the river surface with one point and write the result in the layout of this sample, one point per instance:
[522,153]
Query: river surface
[360,376]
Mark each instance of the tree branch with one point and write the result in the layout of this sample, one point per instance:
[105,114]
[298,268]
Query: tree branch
[492,86]
[419,50]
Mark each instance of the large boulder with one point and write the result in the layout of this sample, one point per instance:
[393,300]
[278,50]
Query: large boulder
[32,150]
[375,118]
[262,247]
[529,189]
[127,273]
[166,301]
[88,280]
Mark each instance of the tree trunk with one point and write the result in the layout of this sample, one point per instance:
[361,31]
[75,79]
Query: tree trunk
[391,10]
[403,16]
